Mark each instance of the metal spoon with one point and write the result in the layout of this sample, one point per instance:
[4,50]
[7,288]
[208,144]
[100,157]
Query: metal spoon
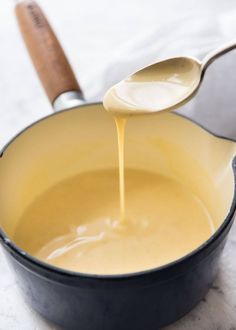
[165,85]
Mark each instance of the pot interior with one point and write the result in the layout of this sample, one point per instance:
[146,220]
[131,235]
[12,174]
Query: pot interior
[84,139]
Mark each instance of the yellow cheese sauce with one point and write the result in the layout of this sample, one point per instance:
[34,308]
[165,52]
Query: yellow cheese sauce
[120,127]
[76,223]
[116,221]
[155,88]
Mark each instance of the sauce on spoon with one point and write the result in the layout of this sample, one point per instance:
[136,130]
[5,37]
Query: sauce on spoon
[158,87]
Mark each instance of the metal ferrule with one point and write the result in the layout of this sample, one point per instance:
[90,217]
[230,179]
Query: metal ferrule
[68,100]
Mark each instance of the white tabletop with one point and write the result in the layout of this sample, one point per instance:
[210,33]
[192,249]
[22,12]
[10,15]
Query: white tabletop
[105,40]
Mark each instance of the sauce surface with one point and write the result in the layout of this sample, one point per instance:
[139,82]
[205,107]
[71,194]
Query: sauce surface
[75,224]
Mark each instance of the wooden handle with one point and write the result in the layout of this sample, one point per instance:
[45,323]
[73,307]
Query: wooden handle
[46,53]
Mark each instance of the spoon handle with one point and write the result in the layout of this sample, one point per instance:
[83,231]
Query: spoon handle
[212,56]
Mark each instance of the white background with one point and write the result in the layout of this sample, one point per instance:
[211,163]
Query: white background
[105,40]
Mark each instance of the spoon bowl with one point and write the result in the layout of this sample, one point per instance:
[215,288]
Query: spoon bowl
[161,86]
[165,85]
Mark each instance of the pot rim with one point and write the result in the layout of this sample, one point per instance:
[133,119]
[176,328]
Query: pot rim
[64,272]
